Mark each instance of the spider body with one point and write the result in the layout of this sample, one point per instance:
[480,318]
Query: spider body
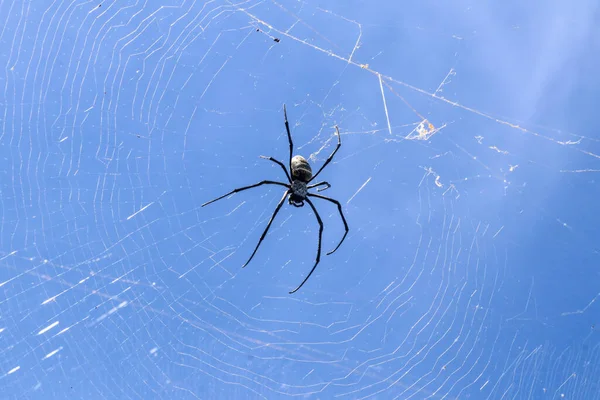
[301,169]
[301,175]
[297,193]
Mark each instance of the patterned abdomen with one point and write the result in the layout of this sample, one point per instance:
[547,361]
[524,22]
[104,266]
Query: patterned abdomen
[301,169]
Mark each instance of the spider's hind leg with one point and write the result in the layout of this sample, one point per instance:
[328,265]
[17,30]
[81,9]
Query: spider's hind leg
[289,135]
[280,164]
[337,147]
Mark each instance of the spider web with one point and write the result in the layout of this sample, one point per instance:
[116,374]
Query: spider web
[470,267]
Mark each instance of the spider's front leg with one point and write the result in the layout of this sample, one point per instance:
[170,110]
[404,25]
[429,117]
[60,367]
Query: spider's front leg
[287,192]
[246,188]
[339,206]
[318,248]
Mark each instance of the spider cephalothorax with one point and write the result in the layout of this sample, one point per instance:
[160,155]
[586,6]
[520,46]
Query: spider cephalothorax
[298,193]
[299,179]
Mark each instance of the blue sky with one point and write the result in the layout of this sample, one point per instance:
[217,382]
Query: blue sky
[467,174]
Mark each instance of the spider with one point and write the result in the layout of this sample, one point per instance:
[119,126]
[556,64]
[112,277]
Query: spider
[297,193]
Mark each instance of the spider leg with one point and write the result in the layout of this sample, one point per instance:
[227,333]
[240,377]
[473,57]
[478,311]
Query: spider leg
[339,144]
[268,226]
[339,206]
[319,247]
[280,164]
[245,188]
[326,184]
[287,128]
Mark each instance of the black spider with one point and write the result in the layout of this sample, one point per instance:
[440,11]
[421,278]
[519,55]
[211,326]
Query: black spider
[297,190]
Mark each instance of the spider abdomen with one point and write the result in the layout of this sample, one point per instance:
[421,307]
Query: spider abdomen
[301,169]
